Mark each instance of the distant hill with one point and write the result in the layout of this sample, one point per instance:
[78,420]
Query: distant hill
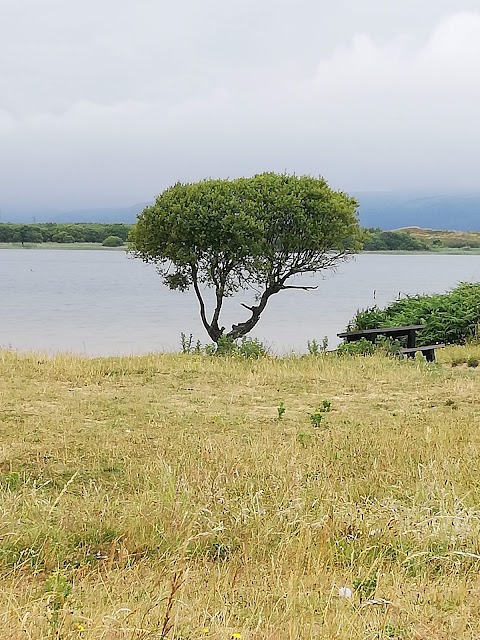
[107,215]
[110,215]
[393,210]
[386,210]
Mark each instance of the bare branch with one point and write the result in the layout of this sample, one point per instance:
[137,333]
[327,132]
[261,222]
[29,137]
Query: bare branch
[291,286]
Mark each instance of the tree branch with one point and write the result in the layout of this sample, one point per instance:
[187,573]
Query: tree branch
[291,286]
[243,328]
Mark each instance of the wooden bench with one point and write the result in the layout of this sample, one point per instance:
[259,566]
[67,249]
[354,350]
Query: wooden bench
[408,331]
[428,351]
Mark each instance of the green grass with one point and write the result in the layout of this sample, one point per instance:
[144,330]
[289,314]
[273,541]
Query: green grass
[162,495]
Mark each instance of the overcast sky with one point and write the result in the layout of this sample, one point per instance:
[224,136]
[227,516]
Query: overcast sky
[107,102]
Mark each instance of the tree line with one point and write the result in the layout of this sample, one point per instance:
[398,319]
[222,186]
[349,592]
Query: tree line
[63,233]
[378,240]
[68,233]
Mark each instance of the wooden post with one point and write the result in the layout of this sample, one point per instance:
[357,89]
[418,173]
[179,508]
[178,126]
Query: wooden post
[411,339]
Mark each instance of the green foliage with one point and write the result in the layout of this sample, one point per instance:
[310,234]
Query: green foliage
[365,587]
[10,481]
[472,362]
[250,233]
[187,343]
[252,348]
[364,347]
[317,416]
[62,233]
[452,317]
[360,347]
[57,587]
[112,241]
[63,237]
[281,410]
[378,240]
[244,348]
[315,349]
[326,405]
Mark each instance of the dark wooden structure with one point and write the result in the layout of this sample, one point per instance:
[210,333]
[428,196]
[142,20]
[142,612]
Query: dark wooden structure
[428,351]
[408,331]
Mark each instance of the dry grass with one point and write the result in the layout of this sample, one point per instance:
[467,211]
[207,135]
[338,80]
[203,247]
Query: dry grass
[448,238]
[162,496]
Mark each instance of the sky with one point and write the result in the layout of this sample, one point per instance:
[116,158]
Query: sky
[108,102]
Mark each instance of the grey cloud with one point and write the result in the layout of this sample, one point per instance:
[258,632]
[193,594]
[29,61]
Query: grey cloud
[109,102]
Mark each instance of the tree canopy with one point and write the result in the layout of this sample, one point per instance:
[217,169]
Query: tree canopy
[246,233]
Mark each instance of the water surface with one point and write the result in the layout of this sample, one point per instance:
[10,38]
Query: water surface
[102,302]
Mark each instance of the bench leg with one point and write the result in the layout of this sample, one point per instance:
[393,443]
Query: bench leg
[411,339]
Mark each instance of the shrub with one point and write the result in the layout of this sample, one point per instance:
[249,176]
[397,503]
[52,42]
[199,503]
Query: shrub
[315,349]
[364,347]
[452,317]
[63,237]
[244,348]
[112,241]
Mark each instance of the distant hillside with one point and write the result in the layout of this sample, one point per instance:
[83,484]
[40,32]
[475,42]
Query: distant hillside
[386,210]
[110,215]
[107,215]
[393,210]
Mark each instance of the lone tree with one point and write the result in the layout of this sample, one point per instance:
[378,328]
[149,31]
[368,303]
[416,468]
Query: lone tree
[247,233]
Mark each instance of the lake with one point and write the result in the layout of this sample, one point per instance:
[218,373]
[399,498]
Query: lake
[104,303]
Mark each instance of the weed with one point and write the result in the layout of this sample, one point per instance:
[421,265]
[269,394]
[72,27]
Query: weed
[186,343]
[304,438]
[280,410]
[326,405]
[393,631]
[317,416]
[315,349]
[57,588]
[365,587]
[10,481]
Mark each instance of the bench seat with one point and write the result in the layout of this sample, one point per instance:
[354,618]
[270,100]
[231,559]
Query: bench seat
[428,351]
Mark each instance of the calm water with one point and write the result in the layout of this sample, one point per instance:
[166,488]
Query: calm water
[102,303]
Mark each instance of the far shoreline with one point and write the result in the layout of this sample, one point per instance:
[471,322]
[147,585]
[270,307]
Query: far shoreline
[95,246]
[71,246]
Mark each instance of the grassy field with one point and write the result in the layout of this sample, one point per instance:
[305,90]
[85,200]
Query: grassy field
[171,496]
[451,239]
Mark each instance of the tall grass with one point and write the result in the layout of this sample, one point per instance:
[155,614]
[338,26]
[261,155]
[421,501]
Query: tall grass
[162,496]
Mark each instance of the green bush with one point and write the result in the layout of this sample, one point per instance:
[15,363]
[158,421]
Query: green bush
[378,240]
[453,317]
[245,347]
[112,241]
[364,347]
